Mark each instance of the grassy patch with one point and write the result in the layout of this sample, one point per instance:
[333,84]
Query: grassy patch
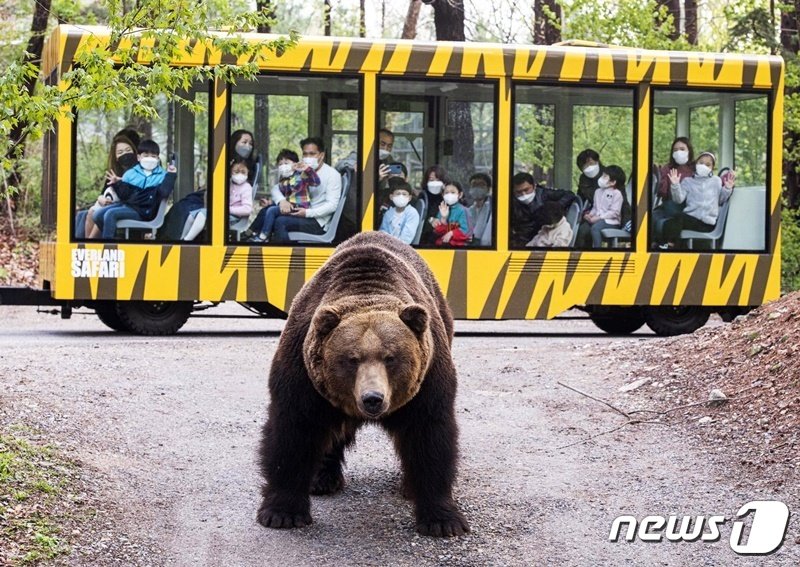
[34,482]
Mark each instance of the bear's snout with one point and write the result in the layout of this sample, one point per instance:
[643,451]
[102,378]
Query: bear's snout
[372,403]
[372,392]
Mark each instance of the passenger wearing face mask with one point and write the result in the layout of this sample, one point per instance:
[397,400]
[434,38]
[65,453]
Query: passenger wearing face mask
[140,191]
[527,199]
[121,157]
[401,221]
[290,194]
[451,225]
[606,211]
[242,145]
[480,211]
[702,195]
[681,159]
[240,202]
[385,146]
[323,197]
[588,162]
[430,192]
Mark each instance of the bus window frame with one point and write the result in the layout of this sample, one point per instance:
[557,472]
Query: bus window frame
[494,82]
[770,97]
[636,96]
[74,176]
[228,241]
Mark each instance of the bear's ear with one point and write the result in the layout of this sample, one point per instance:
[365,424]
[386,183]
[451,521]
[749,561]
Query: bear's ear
[325,320]
[416,317]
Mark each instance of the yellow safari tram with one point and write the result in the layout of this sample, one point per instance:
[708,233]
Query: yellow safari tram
[491,124]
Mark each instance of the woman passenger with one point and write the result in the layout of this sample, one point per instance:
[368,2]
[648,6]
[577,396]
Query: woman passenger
[681,160]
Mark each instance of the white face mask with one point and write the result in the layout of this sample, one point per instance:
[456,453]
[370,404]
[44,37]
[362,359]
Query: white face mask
[591,171]
[603,182]
[149,163]
[238,178]
[285,170]
[310,162]
[526,198]
[383,154]
[450,198]
[680,156]
[702,170]
[401,201]
[435,187]
[244,150]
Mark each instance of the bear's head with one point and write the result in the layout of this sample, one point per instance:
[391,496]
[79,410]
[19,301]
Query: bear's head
[368,363]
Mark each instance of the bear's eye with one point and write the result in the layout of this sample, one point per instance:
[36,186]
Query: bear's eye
[389,359]
[352,359]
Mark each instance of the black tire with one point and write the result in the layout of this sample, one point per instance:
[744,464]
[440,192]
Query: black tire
[668,321]
[154,317]
[108,314]
[617,320]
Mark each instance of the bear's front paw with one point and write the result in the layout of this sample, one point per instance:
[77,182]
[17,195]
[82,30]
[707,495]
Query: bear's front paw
[327,482]
[443,521]
[272,517]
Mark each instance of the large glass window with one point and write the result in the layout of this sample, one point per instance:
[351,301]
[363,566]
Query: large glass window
[560,132]
[722,207]
[110,208]
[442,132]
[320,205]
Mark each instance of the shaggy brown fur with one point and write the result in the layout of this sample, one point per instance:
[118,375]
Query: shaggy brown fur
[368,339]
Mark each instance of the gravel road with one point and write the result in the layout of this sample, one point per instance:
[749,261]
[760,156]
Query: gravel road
[166,430]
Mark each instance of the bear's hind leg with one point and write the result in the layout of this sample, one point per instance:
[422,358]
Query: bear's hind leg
[329,478]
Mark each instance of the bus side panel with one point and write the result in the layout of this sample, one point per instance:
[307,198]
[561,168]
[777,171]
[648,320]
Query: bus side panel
[478,284]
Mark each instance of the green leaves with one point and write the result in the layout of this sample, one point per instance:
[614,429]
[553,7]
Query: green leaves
[130,67]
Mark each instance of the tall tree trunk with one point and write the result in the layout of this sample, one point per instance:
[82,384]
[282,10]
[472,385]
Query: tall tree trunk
[33,54]
[674,10]
[448,19]
[326,17]
[266,6]
[362,19]
[690,21]
[412,17]
[790,41]
[546,22]
[261,110]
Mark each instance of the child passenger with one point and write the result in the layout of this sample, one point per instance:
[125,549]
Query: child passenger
[451,225]
[140,191]
[702,193]
[556,231]
[606,211]
[240,201]
[291,192]
[401,221]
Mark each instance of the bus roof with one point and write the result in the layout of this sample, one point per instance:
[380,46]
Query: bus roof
[574,63]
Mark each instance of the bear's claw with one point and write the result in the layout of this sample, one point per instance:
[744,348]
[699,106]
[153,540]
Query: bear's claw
[443,528]
[270,518]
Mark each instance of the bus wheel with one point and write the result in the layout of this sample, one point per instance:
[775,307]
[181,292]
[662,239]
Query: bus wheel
[108,314]
[668,320]
[617,320]
[154,317]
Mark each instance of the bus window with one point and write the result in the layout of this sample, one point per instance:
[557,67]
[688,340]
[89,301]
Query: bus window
[177,131]
[282,110]
[714,212]
[447,124]
[593,126]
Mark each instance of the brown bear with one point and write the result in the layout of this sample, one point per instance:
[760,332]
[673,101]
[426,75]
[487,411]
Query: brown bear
[368,339]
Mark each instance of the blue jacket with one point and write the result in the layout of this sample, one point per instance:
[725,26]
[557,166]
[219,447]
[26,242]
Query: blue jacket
[143,192]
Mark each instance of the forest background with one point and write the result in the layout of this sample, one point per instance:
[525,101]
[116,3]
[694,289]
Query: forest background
[28,107]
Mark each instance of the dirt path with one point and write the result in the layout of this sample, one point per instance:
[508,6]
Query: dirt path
[167,429]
